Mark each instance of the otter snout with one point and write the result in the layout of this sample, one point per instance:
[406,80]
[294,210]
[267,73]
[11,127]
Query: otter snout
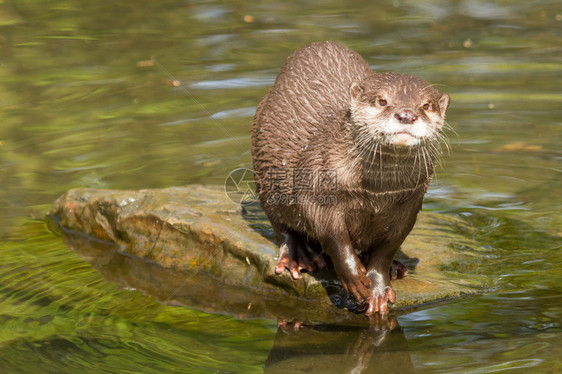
[406,116]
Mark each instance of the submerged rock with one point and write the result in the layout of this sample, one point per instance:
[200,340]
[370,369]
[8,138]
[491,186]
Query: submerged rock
[193,246]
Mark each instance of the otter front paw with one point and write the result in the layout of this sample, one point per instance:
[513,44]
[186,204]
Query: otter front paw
[296,256]
[379,299]
[355,282]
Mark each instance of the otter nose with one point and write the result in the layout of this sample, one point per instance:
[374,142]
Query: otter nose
[406,116]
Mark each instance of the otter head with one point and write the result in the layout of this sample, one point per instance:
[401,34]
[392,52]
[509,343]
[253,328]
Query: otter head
[397,110]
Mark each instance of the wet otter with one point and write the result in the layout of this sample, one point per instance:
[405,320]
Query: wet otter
[343,157]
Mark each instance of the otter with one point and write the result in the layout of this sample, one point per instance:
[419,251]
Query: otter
[343,156]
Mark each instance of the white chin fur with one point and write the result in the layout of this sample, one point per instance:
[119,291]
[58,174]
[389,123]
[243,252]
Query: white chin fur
[403,140]
[400,134]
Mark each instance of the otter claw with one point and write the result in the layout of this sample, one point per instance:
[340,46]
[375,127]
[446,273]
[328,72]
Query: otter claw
[380,300]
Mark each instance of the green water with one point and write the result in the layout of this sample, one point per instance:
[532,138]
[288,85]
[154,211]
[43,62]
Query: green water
[155,94]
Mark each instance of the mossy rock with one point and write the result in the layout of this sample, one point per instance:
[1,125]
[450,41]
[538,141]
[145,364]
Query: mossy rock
[193,246]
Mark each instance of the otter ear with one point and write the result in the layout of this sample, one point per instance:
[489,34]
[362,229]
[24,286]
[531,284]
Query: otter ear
[444,102]
[355,90]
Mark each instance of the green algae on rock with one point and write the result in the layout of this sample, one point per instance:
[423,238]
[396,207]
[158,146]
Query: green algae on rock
[193,246]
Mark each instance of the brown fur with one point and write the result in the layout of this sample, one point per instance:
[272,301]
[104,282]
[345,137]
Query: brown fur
[321,116]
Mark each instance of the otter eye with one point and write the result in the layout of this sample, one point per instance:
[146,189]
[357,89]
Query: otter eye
[426,106]
[382,102]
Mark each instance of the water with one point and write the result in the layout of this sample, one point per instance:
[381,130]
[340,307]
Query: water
[149,95]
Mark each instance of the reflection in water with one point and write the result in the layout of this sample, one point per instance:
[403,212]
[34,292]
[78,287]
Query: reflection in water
[202,291]
[374,344]
[380,348]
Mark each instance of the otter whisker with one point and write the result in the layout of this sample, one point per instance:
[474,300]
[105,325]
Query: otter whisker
[445,141]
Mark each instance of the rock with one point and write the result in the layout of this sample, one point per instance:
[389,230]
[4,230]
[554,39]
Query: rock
[193,246]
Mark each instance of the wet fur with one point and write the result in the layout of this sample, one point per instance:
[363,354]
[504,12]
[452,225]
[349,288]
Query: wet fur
[318,116]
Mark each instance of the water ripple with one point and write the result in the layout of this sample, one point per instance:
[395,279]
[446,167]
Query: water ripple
[234,83]
[235,113]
